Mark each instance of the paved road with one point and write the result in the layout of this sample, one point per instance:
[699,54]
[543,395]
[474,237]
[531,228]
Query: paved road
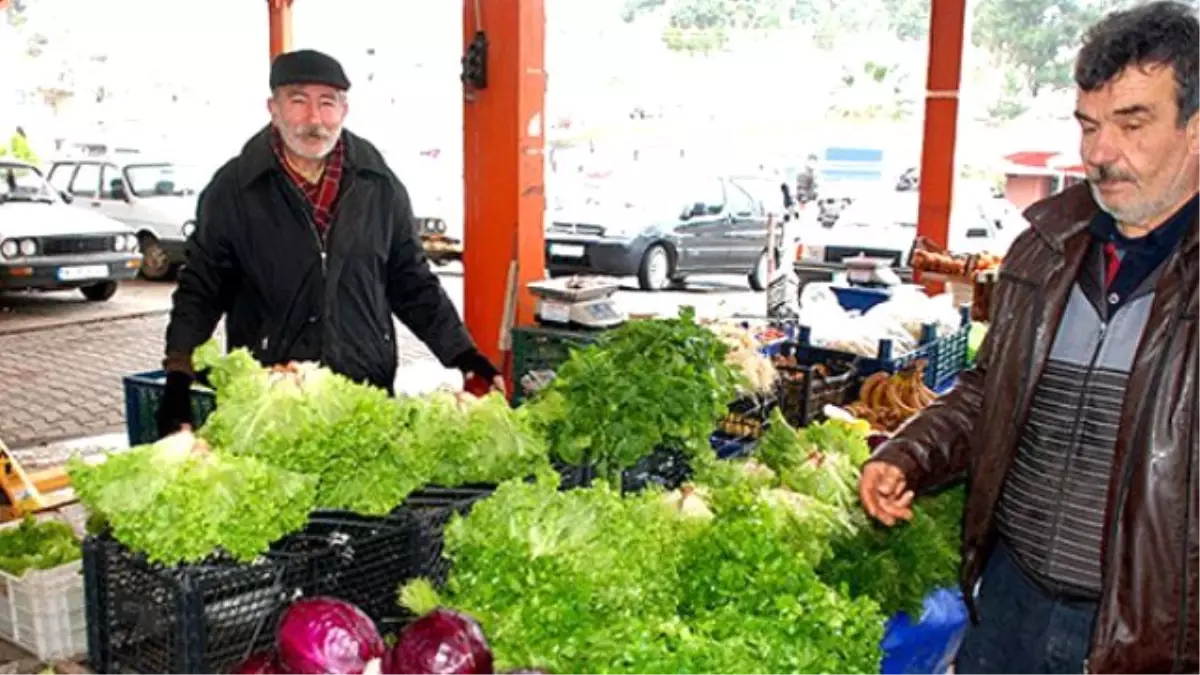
[62,359]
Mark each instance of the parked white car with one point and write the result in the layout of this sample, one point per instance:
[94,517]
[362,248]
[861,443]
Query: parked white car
[155,198]
[47,245]
[884,226]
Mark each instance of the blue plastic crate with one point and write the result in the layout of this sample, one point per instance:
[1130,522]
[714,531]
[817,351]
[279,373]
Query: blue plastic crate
[854,298]
[930,644]
[945,356]
[144,392]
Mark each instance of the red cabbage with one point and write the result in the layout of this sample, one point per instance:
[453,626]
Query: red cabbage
[440,643]
[261,663]
[326,635]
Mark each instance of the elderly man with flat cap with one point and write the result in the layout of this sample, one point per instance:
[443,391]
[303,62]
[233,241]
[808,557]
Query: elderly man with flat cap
[305,244]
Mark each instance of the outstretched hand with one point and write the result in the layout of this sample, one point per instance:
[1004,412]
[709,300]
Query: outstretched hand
[884,493]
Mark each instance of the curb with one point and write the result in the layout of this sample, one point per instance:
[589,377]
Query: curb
[82,322]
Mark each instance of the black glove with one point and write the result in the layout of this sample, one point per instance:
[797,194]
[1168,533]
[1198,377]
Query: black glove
[175,408]
[471,362]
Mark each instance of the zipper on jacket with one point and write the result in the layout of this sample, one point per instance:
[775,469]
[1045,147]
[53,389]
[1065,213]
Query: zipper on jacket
[312,226]
[1076,433]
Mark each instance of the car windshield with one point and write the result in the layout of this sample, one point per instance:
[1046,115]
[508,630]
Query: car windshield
[21,183]
[161,180]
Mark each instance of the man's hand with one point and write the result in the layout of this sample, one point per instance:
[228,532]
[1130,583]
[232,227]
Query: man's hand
[884,493]
[175,408]
[476,366]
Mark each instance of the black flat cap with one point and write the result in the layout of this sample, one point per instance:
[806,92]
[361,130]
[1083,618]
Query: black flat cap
[307,66]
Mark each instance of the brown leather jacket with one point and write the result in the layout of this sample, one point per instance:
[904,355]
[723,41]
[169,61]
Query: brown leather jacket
[1147,620]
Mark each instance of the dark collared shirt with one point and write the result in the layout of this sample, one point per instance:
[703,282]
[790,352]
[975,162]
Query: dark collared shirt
[1140,257]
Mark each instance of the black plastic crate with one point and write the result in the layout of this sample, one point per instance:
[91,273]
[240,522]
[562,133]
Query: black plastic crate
[456,498]
[538,351]
[145,618]
[206,618]
[804,391]
[363,559]
[665,467]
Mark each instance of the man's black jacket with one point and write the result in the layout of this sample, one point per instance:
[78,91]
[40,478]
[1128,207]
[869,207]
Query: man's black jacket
[256,258]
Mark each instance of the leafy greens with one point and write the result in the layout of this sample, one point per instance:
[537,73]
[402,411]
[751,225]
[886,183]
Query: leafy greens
[643,385]
[590,581]
[177,501]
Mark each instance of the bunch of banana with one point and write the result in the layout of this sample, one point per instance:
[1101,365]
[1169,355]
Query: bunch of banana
[886,401]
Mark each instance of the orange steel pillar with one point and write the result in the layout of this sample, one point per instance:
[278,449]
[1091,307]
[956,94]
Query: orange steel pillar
[503,139]
[947,25]
[279,16]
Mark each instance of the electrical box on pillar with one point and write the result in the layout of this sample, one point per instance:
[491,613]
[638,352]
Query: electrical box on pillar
[474,63]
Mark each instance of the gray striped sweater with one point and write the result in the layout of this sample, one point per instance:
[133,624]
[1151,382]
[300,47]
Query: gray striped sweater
[1052,507]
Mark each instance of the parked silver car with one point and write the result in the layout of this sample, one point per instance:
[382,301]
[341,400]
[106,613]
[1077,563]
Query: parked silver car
[155,198]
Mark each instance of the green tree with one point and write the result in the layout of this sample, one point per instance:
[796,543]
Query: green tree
[908,19]
[1038,39]
[14,14]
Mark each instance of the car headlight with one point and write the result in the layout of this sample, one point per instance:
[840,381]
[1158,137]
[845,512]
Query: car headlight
[10,248]
[119,243]
[131,243]
[28,247]
[188,228]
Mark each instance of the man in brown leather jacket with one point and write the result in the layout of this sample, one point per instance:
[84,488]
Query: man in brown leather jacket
[1076,431]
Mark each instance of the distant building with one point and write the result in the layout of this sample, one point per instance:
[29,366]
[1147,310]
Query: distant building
[1033,175]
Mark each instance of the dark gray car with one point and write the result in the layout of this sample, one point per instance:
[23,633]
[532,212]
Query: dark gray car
[663,233]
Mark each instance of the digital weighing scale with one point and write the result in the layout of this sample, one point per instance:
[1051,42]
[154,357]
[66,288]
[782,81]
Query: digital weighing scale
[870,272]
[583,301]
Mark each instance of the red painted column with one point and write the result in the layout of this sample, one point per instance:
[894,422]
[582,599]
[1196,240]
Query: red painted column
[503,140]
[279,17]
[947,25]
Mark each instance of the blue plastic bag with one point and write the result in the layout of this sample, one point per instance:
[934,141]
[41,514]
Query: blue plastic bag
[928,646]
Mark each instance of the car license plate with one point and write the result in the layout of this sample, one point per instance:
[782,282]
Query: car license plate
[82,272]
[566,251]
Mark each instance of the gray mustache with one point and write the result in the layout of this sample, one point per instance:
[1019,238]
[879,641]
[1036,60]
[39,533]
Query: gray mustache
[1106,173]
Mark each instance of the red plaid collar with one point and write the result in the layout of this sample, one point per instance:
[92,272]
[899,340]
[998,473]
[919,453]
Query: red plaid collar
[320,195]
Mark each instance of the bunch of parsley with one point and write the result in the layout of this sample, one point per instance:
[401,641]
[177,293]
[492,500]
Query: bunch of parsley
[643,385]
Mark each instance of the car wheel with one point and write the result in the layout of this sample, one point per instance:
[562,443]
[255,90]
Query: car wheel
[156,265]
[758,276]
[655,272]
[99,292]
